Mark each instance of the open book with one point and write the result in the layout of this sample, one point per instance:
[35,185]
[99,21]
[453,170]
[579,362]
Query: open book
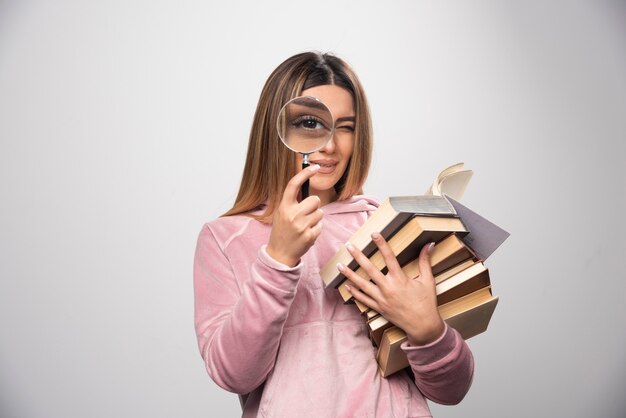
[452,181]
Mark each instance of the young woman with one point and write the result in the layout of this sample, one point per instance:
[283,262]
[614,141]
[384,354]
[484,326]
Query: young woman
[267,328]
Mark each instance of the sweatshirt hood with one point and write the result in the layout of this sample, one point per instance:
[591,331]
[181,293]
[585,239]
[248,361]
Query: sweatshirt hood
[357,203]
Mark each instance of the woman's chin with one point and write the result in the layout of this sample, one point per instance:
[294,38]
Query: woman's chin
[326,193]
[322,188]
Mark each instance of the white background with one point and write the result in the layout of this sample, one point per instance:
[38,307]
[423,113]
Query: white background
[123,127]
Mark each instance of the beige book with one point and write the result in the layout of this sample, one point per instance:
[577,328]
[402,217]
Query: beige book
[390,356]
[469,315]
[465,282]
[446,253]
[446,274]
[361,306]
[424,213]
[382,321]
[370,314]
[376,327]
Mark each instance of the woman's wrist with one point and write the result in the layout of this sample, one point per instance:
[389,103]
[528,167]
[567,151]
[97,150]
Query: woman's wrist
[280,257]
[426,334]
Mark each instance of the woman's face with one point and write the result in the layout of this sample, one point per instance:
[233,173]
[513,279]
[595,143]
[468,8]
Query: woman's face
[334,157]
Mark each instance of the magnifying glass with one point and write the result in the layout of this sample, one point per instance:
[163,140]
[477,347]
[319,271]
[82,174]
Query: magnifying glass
[305,125]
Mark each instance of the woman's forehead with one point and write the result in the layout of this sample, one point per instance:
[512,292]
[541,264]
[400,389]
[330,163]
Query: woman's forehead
[339,100]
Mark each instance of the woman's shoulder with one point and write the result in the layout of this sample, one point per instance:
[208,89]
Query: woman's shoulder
[226,228]
[229,222]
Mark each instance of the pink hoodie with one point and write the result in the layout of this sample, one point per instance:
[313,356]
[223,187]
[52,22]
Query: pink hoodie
[276,334]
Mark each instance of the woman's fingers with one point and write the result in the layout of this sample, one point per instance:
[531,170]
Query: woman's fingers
[426,271]
[362,285]
[316,230]
[390,258]
[306,213]
[371,270]
[309,205]
[363,298]
[409,304]
[293,187]
[316,217]
[295,225]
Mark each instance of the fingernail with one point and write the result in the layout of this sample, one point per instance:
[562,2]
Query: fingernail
[349,246]
[314,167]
[430,247]
[375,236]
[341,267]
[348,288]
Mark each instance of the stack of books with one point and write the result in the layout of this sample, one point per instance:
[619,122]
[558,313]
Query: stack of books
[463,241]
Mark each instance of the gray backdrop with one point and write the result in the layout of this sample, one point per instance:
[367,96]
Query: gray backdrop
[123,127]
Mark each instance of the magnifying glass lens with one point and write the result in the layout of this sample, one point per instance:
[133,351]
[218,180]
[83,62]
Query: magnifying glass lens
[305,125]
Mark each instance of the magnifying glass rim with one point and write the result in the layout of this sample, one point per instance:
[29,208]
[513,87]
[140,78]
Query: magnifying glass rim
[332,127]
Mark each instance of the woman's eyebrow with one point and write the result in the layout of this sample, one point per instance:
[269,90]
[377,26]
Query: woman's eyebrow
[345,119]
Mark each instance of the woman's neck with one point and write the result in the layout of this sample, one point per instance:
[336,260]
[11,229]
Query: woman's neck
[326,196]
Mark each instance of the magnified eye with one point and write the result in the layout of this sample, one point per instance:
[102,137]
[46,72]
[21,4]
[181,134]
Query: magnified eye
[308,122]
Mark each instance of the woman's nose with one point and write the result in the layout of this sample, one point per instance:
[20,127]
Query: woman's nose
[329,148]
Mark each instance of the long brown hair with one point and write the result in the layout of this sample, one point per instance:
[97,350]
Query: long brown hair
[270,164]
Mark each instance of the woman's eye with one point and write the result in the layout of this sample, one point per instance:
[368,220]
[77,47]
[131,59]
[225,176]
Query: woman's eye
[308,123]
[347,128]
[311,124]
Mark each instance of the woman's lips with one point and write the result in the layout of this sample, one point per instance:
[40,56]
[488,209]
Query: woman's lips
[325,167]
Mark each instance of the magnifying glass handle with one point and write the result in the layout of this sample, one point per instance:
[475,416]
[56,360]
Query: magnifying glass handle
[305,186]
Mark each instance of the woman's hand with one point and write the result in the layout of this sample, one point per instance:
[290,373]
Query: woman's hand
[408,303]
[295,225]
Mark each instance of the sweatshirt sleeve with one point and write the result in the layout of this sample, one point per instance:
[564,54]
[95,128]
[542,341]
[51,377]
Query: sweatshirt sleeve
[239,325]
[443,369]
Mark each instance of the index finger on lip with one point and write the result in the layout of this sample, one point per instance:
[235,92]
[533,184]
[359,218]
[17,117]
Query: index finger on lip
[293,187]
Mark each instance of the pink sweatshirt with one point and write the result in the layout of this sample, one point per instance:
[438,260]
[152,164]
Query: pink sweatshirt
[292,348]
